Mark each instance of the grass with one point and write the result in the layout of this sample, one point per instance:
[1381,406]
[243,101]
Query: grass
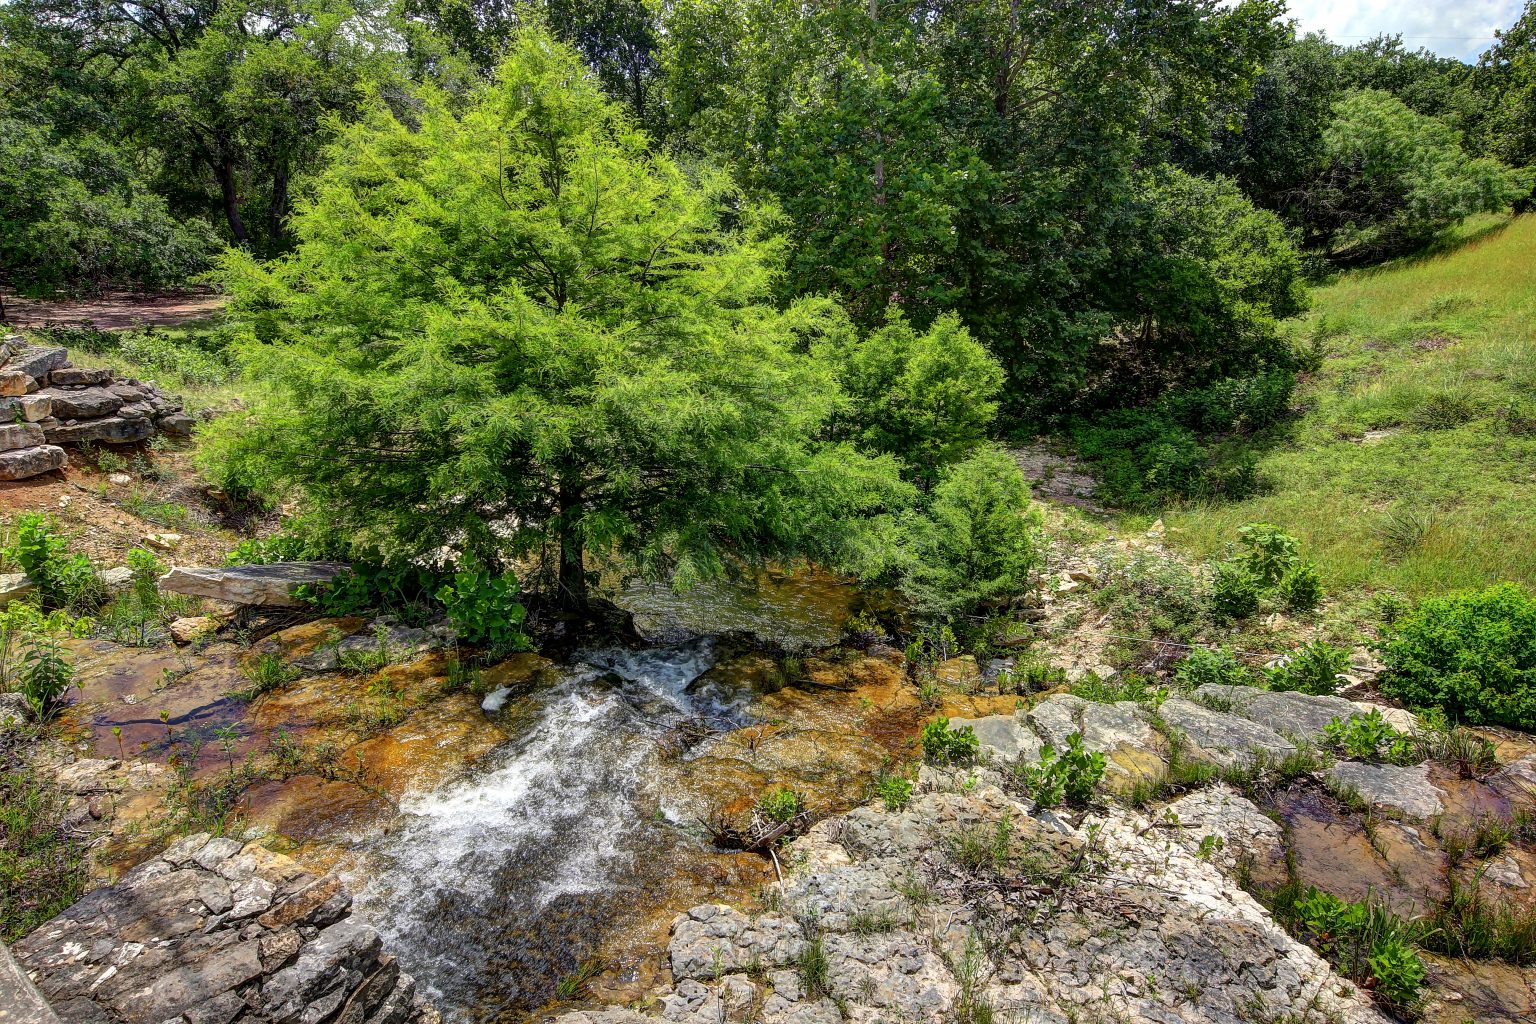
[1440,353]
[42,862]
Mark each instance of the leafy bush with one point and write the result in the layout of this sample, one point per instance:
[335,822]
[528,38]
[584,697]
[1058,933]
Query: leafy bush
[1473,655]
[44,676]
[1370,737]
[1206,667]
[1068,776]
[64,579]
[1301,588]
[1233,402]
[1312,669]
[945,746]
[484,609]
[977,540]
[1270,551]
[1234,590]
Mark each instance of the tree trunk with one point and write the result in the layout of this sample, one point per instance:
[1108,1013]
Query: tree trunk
[573,569]
[277,211]
[224,174]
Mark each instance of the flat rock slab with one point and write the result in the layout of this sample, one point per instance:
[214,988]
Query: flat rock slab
[14,585]
[267,585]
[82,403]
[1226,739]
[1388,785]
[20,435]
[1291,714]
[1104,727]
[1003,737]
[23,463]
[20,1002]
[112,429]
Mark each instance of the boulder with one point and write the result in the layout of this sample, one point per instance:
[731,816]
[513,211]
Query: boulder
[268,585]
[1222,738]
[20,435]
[112,429]
[82,404]
[78,377]
[33,407]
[1003,737]
[14,383]
[21,463]
[176,424]
[38,361]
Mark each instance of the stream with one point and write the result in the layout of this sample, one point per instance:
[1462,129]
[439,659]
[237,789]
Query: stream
[494,886]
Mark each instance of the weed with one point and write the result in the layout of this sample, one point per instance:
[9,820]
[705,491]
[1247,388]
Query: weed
[1467,923]
[945,746]
[367,660]
[1234,590]
[1366,941]
[43,866]
[894,790]
[1068,776]
[170,514]
[1314,669]
[265,674]
[1127,686]
[813,964]
[1370,737]
[872,922]
[780,805]
[1206,667]
[574,984]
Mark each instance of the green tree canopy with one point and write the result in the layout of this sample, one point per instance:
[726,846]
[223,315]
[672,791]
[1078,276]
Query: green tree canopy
[1393,178]
[514,331]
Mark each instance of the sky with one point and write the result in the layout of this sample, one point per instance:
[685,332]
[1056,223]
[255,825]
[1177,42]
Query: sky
[1451,28]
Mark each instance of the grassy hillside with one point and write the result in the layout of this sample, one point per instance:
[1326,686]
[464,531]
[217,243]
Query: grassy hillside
[1413,467]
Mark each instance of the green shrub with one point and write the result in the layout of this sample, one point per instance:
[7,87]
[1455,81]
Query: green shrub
[485,610]
[1068,776]
[44,676]
[1234,590]
[1370,737]
[944,746]
[1270,551]
[265,674]
[132,617]
[1473,655]
[1151,593]
[64,579]
[1366,941]
[1301,588]
[1312,669]
[894,790]
[1206,667]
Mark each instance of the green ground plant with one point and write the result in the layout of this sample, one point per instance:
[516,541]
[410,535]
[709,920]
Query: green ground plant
[1370,737]
[1366,941]
[945,746]
[1313,668]
[1206,666]
[43,866]
[1067,776]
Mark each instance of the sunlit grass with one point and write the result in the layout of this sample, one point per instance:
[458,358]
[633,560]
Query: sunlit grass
[1412,468]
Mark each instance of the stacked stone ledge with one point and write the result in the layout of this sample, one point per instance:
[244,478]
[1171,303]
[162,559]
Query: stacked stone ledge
[46,402]
[213,932]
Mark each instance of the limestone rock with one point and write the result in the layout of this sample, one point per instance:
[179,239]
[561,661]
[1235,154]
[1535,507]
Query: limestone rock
[1003,737]
[38,361]
[20,435]
[211,932]
[85,403]
[1298,715]
[269,585]
[78,376]
[1234,820]
[14,585]
[1225,739]
[176,424]
[14,383]
[163,541]
[191,629]
[1388,785]
[23,463]
[112,429]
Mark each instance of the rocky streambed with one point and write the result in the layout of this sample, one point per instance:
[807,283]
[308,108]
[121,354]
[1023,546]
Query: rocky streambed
[532,837]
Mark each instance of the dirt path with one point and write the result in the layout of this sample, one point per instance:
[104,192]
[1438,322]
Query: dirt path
[114,311]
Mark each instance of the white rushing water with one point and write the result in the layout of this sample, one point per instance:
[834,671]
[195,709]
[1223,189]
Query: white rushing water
[491,886]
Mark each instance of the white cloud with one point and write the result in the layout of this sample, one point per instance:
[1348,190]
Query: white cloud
[1452,28]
